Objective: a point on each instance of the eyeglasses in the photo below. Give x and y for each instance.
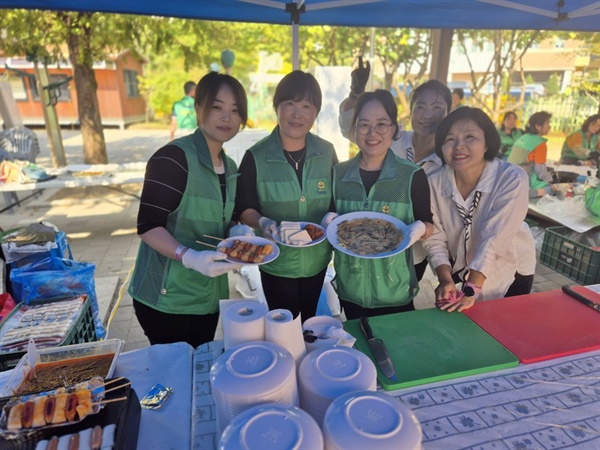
(381, 128)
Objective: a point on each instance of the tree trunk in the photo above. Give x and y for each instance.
(79, 42)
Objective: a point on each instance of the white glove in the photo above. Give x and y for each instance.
(268, 227)
(415, 231)
(328, 218)
(210, 264)
(241, 230)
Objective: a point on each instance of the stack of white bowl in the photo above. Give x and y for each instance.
(373, 420)
(272, 426)
(250, 374)
(328, 372)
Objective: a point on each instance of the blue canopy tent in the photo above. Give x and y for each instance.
(570, 15)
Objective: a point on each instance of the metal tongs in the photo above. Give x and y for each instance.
(31, 355)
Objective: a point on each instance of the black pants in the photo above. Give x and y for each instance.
(298, 295)
(354, 311)
(164, 328)
(420, 269)
(521, 286)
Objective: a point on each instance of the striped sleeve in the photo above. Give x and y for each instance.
(164, 184)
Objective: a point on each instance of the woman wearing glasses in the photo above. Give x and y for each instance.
(287, 176)
(378, 180)
(429, 104)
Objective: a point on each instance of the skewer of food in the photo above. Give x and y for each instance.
(91, 438)
(247, 252)
(63, 405)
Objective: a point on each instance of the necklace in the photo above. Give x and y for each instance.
(299, 159)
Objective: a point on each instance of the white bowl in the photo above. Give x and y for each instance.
(272, 426)
(373, 420)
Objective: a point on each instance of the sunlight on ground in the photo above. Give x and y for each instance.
(81, 235)
(124, 232)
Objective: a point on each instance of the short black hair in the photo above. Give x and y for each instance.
(432, 85)
(538, 118)
(387, 101)
(298, 86)
(460, 92)
(481, 119)
(189, 88)
(208, 89)
(590, 120)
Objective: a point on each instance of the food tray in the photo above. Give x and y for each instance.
(82, 330)
(124, 414)
(226, 243)
(63, 353)
(277, 237)
(573, 259)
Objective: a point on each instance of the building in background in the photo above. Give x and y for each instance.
(118, 94)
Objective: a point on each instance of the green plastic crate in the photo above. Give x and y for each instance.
(83, 330)
(573, 259)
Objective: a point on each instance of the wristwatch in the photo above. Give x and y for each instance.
(471, 290)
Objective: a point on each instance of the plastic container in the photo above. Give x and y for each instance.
(373, 420)
(573, 259)
(68, 352)
(272, 426)
(83, 330)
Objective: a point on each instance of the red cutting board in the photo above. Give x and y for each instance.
(541, 326)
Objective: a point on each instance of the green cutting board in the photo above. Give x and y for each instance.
(431, 345)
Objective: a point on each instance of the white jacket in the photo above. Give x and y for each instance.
(501, 244)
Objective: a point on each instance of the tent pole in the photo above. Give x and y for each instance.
(295, 47)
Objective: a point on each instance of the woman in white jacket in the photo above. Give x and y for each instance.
(478, 204)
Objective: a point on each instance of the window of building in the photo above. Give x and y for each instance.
(17, 85)
(62, 92)
(131, 83)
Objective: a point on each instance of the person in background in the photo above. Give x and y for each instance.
(583, 146)
(429, 104)
(288, 176)
(479, 204)
(509, 133)
(189, 191)
(378, 180)
(458, 95)
(530, 152)
(183, 113)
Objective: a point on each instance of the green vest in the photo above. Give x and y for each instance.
(281, 198)
(507, 140)
(186, 114)
(523, 147)
(164, 283)
(375, 283)
(590, 144)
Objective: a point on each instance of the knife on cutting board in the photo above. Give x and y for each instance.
(382, 357)
(577, 296)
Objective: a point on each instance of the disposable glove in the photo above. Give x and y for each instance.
(360, 76)
(328, 218)
(415, 231)
(268, 227)
(208, 263)
(241, 230)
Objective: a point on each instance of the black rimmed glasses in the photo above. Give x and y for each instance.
(381, 128)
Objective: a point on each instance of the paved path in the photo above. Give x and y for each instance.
(101, 227)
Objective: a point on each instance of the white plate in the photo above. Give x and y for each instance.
(333, 226)
(252, 240)
(277, 237)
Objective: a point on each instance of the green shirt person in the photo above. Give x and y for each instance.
(183, 114)
(509, 134)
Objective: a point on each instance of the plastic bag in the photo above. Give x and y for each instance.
(54, 278)
(592, 201)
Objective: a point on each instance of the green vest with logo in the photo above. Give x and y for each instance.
(281, 198)
(385, 282)
(165, 284)
(590, 144)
